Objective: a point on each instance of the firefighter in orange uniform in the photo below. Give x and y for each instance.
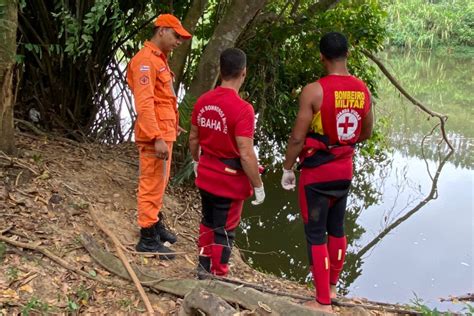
(156, 128)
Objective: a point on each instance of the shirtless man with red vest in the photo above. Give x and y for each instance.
(334, 114)
(221, 143)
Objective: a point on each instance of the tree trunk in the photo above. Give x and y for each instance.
(236, 18)
(8, 27)
(178, 60)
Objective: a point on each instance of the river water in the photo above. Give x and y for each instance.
(410, 215)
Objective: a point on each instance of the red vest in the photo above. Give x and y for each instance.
(327, 155)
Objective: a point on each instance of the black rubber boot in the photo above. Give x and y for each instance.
(203, 270)
(165, 235)
(150, 242)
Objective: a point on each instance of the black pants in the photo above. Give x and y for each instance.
(220, 217)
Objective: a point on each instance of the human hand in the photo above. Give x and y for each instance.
(161, 149)
(195, 167)
(181, 130)
(259, 195)
(288, 180)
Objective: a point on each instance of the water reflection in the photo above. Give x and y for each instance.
(276, 226)
(445, 85)
(387, 260)
(410, 147)
(272, 235)
(354, 257)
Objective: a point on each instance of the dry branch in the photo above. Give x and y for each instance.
(4, 230)
(18, 162)
(442, 117)
(58, 260)
(118, 247)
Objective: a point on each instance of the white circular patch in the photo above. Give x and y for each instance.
(347, 124)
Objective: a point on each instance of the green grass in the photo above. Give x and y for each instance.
(12, 273)
(35, 306)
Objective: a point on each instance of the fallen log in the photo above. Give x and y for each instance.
(248, 298)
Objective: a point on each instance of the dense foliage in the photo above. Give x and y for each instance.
(72, 55)
(430, 23)
(283, 57)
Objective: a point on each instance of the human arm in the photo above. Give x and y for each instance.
(249, 162)
(309, 103)
(248, 158)
(141, 77)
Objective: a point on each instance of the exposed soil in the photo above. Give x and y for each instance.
(45, 194)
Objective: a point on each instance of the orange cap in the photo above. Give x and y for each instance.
(169, 20)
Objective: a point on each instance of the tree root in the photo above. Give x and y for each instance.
(244, 294)
(248, 298)
(386, 307)
(31, 127)
(201, 300)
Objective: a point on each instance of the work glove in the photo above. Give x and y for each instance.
(259, 195)
(195, 167)
(288, 180)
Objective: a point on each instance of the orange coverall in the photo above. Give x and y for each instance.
(150, 79)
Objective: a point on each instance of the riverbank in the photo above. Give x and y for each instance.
(45, 202)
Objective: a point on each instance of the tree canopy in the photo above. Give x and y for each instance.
(73, 56)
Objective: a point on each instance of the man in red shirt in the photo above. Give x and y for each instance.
(151, 81)
(221, 143)
(334, 115)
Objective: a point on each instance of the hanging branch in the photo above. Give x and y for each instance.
(442, 117)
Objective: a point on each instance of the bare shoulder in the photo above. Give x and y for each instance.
(311, 95)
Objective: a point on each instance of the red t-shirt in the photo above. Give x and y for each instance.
(220, 116)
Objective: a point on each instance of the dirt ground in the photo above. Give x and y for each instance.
(45, 197)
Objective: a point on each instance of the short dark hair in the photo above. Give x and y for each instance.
(334, 45)
(232, 62)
